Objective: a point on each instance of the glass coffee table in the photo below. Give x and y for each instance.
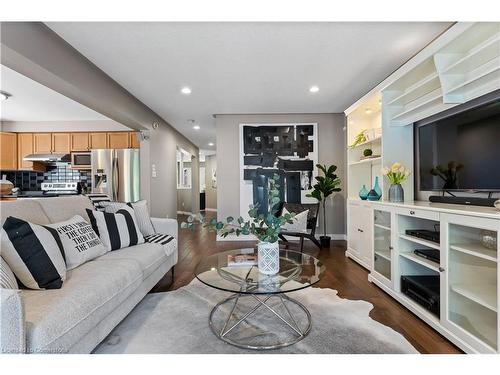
(259, 314)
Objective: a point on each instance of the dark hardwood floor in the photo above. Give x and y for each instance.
(342, 274)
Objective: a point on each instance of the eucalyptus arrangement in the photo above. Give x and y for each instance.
(326, 185)
(397, 174)
(265, 226)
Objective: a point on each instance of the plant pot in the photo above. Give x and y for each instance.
(324, 242)
(268, 255)
(396, 193)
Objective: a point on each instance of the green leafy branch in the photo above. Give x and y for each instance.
(265, 226)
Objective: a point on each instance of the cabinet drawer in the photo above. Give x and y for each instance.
(423, 214)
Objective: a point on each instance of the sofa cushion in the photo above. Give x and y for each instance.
(116, 231)
(79, 241)
(7, 278)
(34, 253)
(63, 208)
(26, 209)
(147, 256)
(57, 319)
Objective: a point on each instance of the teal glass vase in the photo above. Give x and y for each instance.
(376, 193)
(363, 193)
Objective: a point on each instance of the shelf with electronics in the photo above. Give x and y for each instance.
(460, 65)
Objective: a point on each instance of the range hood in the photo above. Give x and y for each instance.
(48, 158)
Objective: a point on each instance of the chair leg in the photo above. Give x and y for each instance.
(173, 273)
(316, 242)
(301, 244)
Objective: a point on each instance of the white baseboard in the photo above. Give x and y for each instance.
(184, 213)
(250, 237)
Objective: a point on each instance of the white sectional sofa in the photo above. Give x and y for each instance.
(95, 297)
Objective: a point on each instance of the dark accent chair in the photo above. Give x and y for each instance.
(312, 220)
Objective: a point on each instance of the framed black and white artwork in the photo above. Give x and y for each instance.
(289, 150)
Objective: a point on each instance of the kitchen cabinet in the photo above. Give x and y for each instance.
(42, 143)
(25, 146)
(80, 141)
(98, 140)
(61, 143)
(119, 140)
(134, 140)
(8, 151)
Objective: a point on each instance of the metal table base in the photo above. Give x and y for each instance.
(289, 321)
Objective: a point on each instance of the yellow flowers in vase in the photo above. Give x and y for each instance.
(397, 174)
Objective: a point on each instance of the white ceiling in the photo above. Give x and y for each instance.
(246, 67)
(31, 101)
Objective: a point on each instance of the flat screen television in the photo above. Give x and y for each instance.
(460, 152)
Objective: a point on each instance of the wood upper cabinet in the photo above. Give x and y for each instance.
(134, 140)
(98, 140)
(8, 151)
(119, 140)
(61, 143)
(25, 146)
(42, 143)
(80, 141)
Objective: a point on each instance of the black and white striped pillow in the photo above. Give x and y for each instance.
(7, 278)
(98, 199)
(161, 239)
(141, 212)
(34, 253)
(116, 230)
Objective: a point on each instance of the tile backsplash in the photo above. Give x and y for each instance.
(26, 180)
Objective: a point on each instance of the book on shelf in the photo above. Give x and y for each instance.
(238, 260)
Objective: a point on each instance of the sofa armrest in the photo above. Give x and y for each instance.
(12, 325)
(165, 226)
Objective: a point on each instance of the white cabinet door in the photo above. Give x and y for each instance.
(365, 235)
(352, 230)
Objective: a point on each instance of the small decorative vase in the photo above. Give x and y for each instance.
(489, 239)
(396, 193)
(268, 257)
(363, 193)
(377, 188)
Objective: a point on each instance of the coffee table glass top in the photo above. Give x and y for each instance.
(297, 271)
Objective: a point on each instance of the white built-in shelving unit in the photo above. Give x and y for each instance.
(460, 65)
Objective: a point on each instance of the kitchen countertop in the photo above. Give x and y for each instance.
(35, 194)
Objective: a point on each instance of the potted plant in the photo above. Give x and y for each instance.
(326, 185)
(265, 226)
(397, 174)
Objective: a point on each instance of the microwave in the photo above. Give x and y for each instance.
(81, 160)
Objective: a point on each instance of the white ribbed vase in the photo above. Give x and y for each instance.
(268, 257)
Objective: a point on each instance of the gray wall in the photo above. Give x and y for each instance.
(32, 49)
(210, 192)
(332, 146)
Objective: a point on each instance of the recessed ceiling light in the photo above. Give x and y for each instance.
(314, 89)
(196, 127)
(368, 111)
(211, 144)
(4, 95)
(186, 90)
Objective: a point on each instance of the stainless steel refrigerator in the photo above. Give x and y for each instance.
(117, 174)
